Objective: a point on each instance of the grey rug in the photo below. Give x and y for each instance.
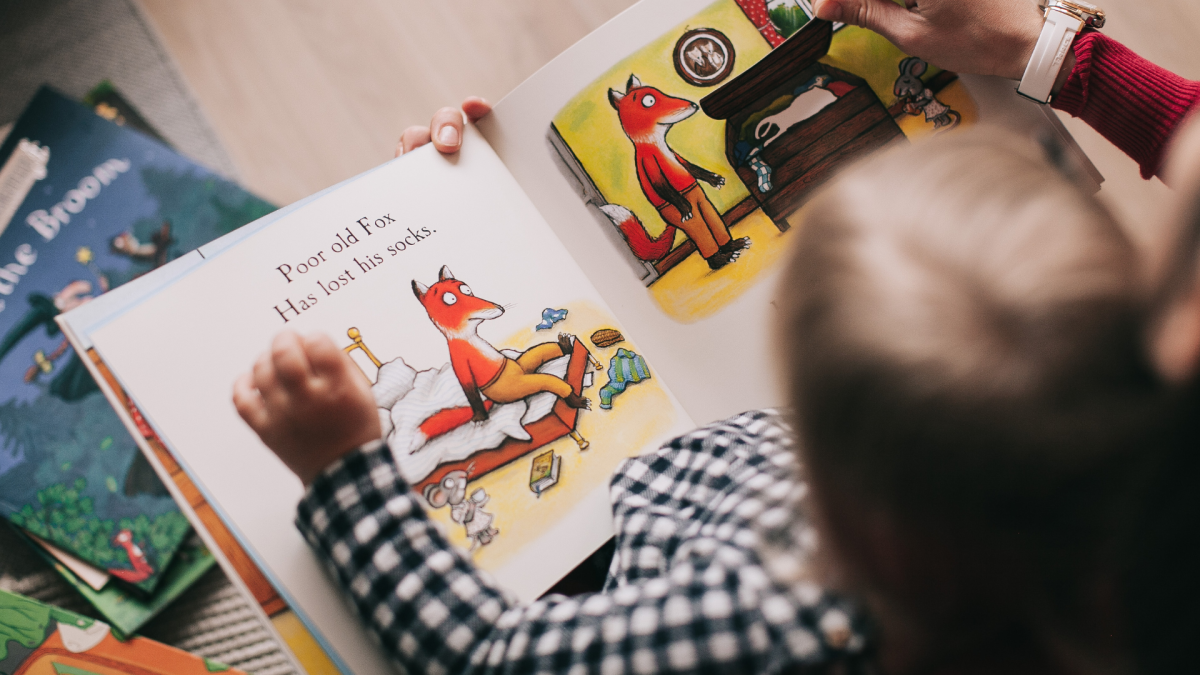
(72, 45)
(212, 619)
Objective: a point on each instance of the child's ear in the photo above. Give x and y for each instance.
(445, 273)
(614, 97)
(419, 289)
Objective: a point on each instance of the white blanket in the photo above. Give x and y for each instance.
(407, 397)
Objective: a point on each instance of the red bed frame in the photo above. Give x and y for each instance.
(560, 422)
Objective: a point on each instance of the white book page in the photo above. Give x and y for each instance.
(709, 329)
(329, 267)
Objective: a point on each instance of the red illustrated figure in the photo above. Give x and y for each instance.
(667, 179)
(480, 368)
(141, 568)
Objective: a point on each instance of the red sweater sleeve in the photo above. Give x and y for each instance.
(1133, 103)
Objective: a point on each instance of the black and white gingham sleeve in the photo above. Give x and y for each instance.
(711, 609)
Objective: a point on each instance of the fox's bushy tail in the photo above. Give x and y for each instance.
(448, 419)
(645, 247)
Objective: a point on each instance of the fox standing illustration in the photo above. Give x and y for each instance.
(481, 369)
(668, 180)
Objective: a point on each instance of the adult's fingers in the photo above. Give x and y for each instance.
(896, 23)
(476, 107)
(446, 129)
(411, 139)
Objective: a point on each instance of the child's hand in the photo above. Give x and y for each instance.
(308, 402)
(445, 130)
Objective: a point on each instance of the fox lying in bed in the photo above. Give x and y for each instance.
(481, 369)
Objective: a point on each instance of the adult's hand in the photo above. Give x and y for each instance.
(984, 37)
(445, 130)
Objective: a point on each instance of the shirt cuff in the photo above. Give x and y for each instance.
(336, 498)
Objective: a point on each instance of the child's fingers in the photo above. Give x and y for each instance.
(323, 356)
(290, 362)
(476, 107)
(411, 139)
(249, 402)
(264, 380)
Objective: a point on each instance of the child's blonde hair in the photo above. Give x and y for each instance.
(960, 325)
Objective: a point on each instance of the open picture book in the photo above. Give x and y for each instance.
(591, 275)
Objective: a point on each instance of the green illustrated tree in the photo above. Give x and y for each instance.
(66, 516)
(198, 209)
(67, 467)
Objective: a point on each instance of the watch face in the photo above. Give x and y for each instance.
(1087, 7)
(1090, 14)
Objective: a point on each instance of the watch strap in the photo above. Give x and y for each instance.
(1053, 45)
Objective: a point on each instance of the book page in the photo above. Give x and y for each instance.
(533, 476)
(673, 149)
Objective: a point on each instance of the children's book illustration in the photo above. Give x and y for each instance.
(543, 474)
(108, 205)
(37, 639)
(458, 428)
(919, 99)
(699, 150)
(551, 316)
(482, 370)
(465, 510)
(487, 406)
(128, 612)
(625, 369)
(670, 182)
(607, 337)
(704, 57)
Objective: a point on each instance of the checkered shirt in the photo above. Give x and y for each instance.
(709, 574)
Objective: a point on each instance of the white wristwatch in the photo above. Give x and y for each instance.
(1064, 20)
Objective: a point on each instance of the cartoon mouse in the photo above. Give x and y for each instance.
(917, 98)
(464, 510)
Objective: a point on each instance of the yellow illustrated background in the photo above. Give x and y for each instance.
(589, 125)
(638, 416)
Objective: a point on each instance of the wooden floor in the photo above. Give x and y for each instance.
(305, 93)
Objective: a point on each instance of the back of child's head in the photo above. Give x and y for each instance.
(1161, 586)
(961, 328)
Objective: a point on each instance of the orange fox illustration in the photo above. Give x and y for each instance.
(668, 180)
(480, 368)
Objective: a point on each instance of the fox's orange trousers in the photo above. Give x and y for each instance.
(519, 378)
(705, 228)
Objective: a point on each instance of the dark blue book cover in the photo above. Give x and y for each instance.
(89, 205)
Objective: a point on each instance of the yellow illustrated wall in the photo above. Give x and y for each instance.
(590, 126)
